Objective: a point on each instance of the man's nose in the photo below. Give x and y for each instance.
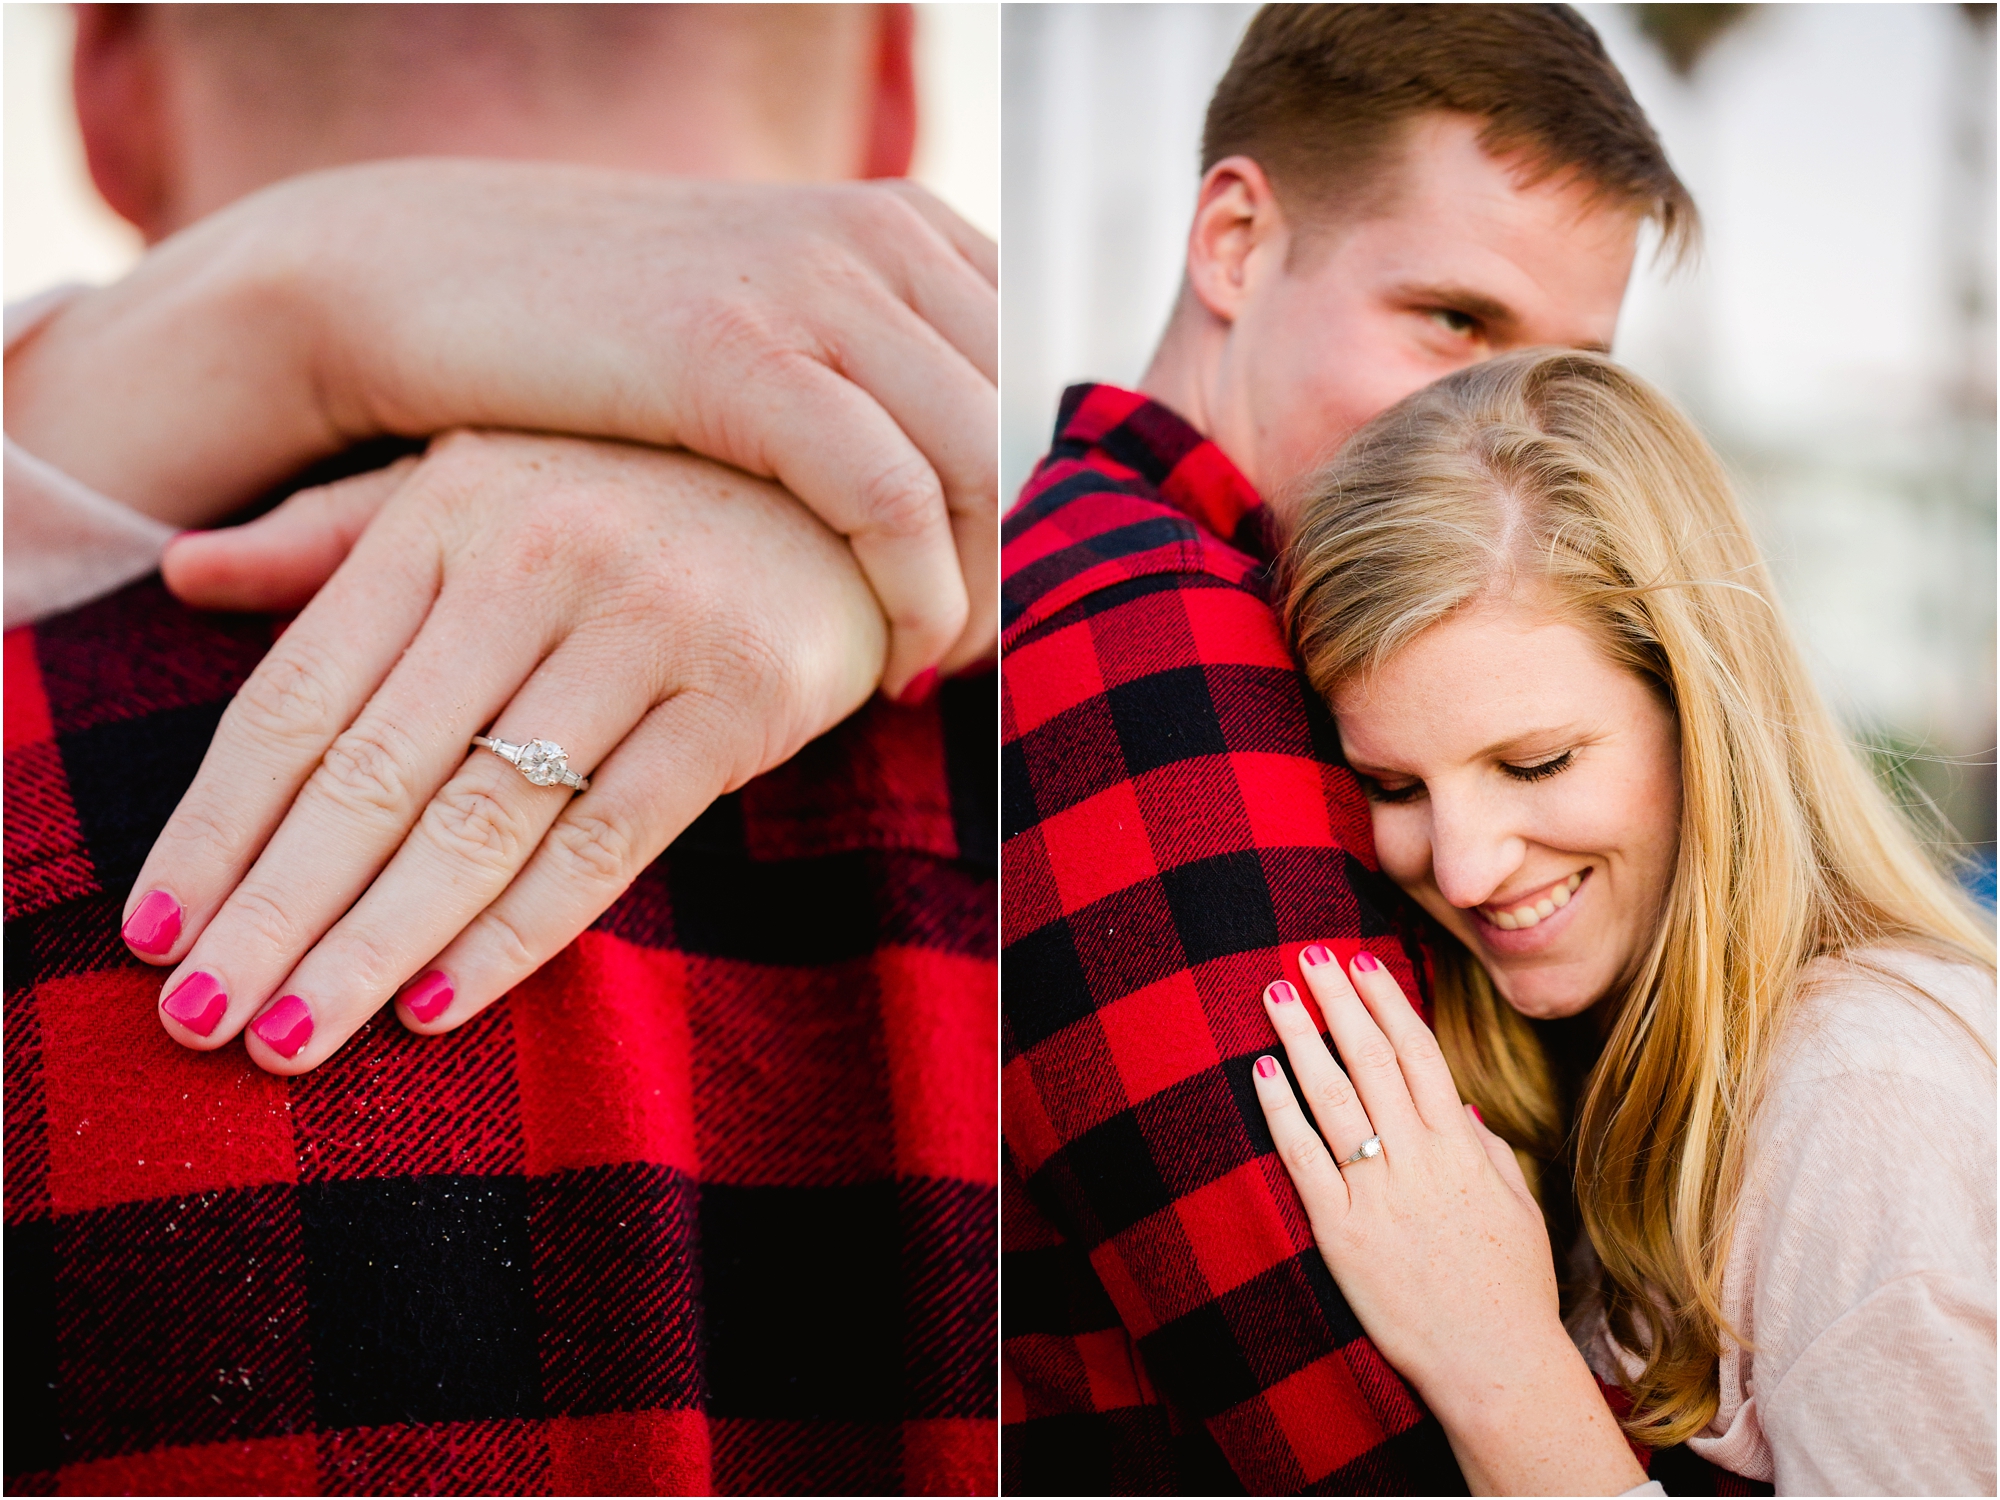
(1474, 847)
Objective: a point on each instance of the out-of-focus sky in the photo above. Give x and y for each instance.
(58, 230)
(1835, 340)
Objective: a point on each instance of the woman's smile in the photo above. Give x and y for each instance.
(1525, 790)
(1526, 923)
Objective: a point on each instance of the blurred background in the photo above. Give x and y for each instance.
(57, 229)
(1835, 340)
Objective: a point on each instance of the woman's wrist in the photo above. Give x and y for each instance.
(1532, 1422)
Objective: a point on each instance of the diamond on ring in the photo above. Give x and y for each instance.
(1368, 1149)
(543, 762)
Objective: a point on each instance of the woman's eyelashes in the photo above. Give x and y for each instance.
(1541, 770)
(1376, 789)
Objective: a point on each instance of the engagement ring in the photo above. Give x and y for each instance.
(1370, 1147)
(541, 761)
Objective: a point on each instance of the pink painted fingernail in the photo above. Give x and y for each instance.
(1267, 1067)
(1366, 962)
(917, 692)
(1476, 1114)
(197, 1003)
(1282, 993)
(428, 996)
(1316, 954)
(153, 927)
(285, 1027)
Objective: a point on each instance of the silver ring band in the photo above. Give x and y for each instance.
(541, 761)
(1370, 1148)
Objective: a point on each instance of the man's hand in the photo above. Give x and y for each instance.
(840, 339)
(676, 626)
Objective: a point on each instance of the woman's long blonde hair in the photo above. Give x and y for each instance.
(1565, 472)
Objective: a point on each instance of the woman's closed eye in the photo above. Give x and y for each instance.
(1388, 791)
(1541, 770)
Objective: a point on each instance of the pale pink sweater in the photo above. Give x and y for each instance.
(1861, 1274)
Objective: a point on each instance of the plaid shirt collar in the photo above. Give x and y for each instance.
(1161, 449)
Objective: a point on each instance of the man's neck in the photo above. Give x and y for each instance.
(1181, 377)
(1182, 366)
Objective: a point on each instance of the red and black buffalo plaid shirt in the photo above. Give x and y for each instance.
(1176, 825)
(707, 1205)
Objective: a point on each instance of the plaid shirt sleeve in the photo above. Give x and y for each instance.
(1175, 827)
(708, 1205)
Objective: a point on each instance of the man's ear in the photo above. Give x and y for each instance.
(892, 117)
(119, 83)
(1238, 231)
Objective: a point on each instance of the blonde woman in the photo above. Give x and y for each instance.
(1694, 969)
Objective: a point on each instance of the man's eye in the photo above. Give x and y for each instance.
(1374, 791)
(1454, 321)
(1542, 770)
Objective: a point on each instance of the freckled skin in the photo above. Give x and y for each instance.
(1506, 685)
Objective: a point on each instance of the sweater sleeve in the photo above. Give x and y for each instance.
(1862, 1276)
(1895, 1396)
(66, 544)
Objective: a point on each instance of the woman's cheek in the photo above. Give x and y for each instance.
(1402, 844)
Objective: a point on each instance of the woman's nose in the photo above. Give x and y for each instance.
(1473, 848)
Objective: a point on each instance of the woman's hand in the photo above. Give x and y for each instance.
(840, 339)
(1435, 1239)
(675, 626)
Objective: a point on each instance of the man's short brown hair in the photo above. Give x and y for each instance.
(1320, 97)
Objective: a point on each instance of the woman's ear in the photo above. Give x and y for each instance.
(119, 83)
(1238, 230)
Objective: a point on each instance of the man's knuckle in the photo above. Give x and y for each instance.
(737, 330)
(888, 215)
(901, 499)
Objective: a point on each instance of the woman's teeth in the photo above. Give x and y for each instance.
(1530, 912)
